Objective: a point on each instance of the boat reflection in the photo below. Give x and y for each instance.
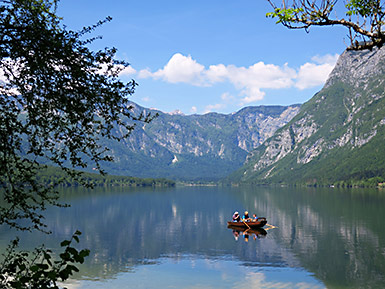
(246, 233)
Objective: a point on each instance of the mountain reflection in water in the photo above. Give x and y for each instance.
(327, 237)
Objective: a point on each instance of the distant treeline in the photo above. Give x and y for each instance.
(366, 183)
(55, 176)
(374, 182)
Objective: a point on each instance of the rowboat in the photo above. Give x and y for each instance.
(259, 223)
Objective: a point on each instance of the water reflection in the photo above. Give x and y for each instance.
(333, 237)
(247, 233)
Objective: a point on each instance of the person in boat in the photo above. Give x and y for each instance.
(246, 217)
(255, 218)
(236, 217)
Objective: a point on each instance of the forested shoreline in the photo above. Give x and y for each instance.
(53, 176)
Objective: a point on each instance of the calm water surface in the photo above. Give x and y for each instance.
(178, 237)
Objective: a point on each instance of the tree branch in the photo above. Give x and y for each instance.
(306, 13)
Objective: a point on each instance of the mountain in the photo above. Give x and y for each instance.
(338, 135)
(194, 147)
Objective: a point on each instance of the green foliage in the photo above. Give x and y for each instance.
(52, 176)
(38, 269)
(341, 167)
(284, 15)
(365, 31)
(364, 183)
(57, 101)
(364, 8)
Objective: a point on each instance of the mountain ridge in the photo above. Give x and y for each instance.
(194, 147)
(338, 134)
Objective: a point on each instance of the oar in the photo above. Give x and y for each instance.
(246, 224)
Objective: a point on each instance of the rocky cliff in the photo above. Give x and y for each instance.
(338, 135)
(195, 147)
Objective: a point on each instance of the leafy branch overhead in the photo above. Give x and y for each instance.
(363, 18)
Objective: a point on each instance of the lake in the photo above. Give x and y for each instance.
(178, 237)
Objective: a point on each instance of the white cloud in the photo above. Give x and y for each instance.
(145, 73)
(252, 94)
(213, 107)
(108, 69)
(259, 76)
(249, 81)
(129, 70)
(314, 74)
(328, 58)
(217, 73)
(311, 75)
(226, 98)
(193, 110)
(179, 68)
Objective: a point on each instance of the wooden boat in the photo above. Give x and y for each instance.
(259, 223)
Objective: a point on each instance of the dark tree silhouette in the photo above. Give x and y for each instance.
(57, 99)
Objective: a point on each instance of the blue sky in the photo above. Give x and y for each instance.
(201, 56)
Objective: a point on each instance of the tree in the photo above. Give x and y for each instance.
(364, 18)
(57, 99)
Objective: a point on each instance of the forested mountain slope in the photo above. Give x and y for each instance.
(195, 147)
(338, 135)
